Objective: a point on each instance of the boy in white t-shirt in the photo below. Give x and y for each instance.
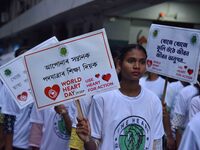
(130, 117)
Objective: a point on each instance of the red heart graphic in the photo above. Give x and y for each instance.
(185, 67)
(190, 71)
(23, 96)
(106, 77)
(53, 92)
(97, 75)
(149, 63)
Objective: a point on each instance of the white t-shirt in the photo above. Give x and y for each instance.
(156, 86)
(121, 121)
(172, 91)
(183, 100)
(194, 106)
(191, 136)
(55, 136)
(22, 123)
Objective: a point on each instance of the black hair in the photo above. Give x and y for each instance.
(130, 47)
(20, 51)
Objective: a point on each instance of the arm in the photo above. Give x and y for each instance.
(60, 109)
(84, 132)
(9, 121)
(1, 131)
(178, 122)
(167, 128)
(35, 136)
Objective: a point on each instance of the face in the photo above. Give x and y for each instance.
(133, 66)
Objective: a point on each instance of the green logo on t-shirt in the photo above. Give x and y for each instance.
(133, 138)
(60, 128)
(132, 133)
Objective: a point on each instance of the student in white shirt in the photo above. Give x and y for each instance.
(153, 82)
(129, 117)
(181, 110)
(194, 106)
(51, 127)
(16, 121)
(191, 136)
(56, 124)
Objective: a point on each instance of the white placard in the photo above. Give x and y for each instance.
(74, 68)
(14, 76)
(174, 52)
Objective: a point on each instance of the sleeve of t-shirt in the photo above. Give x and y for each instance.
(194, 106)
(96, 117)
(158, 126)
(36, 115)
(9, 105)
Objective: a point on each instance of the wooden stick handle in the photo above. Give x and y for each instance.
(78, 106)
(164, 90)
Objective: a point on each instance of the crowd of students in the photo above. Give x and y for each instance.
(132, 117)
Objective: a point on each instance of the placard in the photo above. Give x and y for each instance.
(14, 76)
(174, 52)
(74, 68)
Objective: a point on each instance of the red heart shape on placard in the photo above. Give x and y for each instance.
(185, 67)
(23, 96)
(97, 75)
(106, 77)
(149, 63)
(53, 92)
(190, 71)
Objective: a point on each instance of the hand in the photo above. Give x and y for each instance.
(60, 109)
(171, 143)
(83, 130)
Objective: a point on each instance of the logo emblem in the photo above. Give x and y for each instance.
(63, 51)
(132, 133)
(23, 96)
(53, 92)
(60, 128)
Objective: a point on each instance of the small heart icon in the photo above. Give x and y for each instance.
(53, 92)
(149, 63)
(190, 71)
(106, 77)
(185, 67)
(97, 75)
(23, 96)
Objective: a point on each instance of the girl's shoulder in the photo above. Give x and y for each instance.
(110, 93)
(151, 96)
